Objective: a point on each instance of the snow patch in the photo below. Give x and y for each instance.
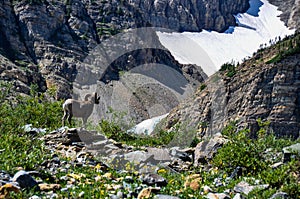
(210, 49)
(146, 127)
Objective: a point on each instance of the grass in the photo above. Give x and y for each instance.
(19, 149)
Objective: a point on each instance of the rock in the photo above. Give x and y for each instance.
(72, 135)
(4, 177)
(184, 156)
(159, 155)
(288, 151)
(49, 187)
(247, 96)
(238, 196)
(154, 179)
(206, 189)
(32, 130)
(54, 196)
(289, 12)
(205, 150)
(177, 15)
(35, 197)
(7, 188)
(161, 196)
(276, 165)
(193, 181)
(280, 195)
(145, 193)
(237, 172)
(25, 180)
(246, 188)
(217, 196)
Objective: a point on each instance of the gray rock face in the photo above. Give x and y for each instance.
(258, 90)
(290, 12)
(190, 15)
(42, 31)
(46, 43)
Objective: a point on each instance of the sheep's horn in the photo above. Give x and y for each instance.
(87, 96)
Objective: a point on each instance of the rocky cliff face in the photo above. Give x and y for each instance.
(266, 87)
(54, 37)
(46, 42)
(290, 12)
(191, 15)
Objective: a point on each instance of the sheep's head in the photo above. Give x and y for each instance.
(97, 99)
(92, 97)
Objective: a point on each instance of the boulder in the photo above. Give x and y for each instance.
(206, 149)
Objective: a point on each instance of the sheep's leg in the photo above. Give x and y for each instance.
(64, 118)
(84, 121)
(70, 118)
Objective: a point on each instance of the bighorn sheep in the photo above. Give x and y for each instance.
(79, 108)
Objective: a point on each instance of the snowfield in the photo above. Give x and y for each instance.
(210, 49)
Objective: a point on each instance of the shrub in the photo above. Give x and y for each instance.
(229, 68)
(19, 148)
(245, 152)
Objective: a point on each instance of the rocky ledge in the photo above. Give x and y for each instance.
(264, 87)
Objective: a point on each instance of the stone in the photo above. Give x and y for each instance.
(217, 196)
(288, 151)
(145, 193)
(205, 150)
(49, 187)
(154, 179)
(7, 188)
(238, 196)
(193, 181)
(184, 156)
(25, 180)
(206, 189)
(246, 188)
(35, 197)
(280, 195)
(161, 196)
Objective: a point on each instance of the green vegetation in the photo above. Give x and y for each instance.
(250, 155)
(202, 86)
(287, 47)
(115, 132)
(229, 68)
(19, 149)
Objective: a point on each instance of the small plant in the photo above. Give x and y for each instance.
(203, 86)
(229, 68)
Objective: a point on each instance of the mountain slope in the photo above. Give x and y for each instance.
(266, 86)
(56, 36)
